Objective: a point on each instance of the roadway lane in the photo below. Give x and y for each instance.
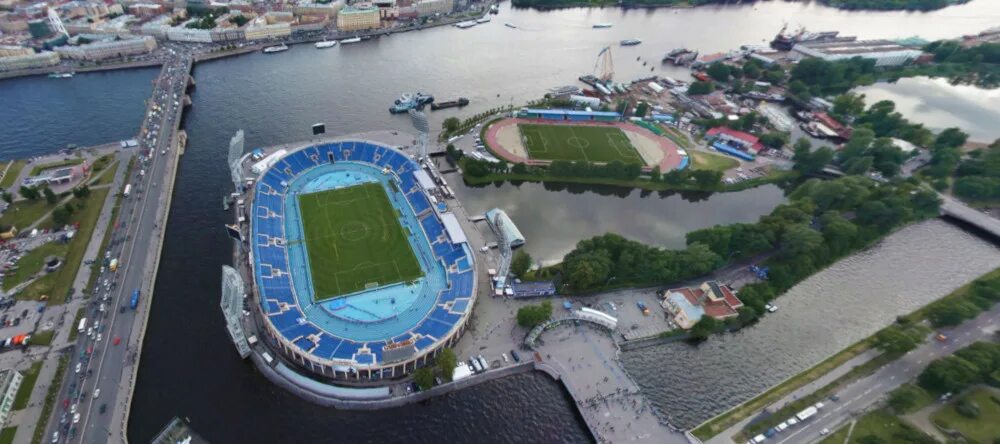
(858, 397)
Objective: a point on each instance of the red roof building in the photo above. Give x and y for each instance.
(837, 127)
(688, 305)
(749, 141)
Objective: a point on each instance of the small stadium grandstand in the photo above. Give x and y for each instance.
(356, 274)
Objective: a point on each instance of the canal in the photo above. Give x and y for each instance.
(189, 367)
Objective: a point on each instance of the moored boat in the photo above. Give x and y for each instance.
(350, 40)
(326, 44)
(630, 42)
(602, 25)
(274, 49)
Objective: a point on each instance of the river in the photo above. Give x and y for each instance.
(190, 369)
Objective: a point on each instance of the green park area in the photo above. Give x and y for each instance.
(578, 142)
(976, 415)
(13, 169)
(7, 435)
(701, 160)
(23, 213)
(32, 263)
(62, 163)
(355, 241)
(27, 385)
(880, 426)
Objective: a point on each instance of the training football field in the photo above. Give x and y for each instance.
(355, 241)
(578, 142)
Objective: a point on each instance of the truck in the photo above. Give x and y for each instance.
(114, 264)
(128, 187)
(83, 325)
(135, 299)
(806, 414)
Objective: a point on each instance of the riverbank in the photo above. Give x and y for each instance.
(850, 5)
(726, 424)
(80, 69)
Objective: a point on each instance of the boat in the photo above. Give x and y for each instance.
(785, 40)
(484, 20)
(62, 75)
(466, 25)
(462, 101)
(630, 42)
(326, 44)
(510, 25)
(589, 79)
(407, 102)
(274, 49)
(350, 40)
(602, 25)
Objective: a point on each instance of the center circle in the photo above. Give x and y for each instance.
(354, 231)
(577, 142)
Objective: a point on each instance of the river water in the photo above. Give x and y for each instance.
(189, 367)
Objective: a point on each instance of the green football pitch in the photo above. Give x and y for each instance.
(354, 241)
(578, 142)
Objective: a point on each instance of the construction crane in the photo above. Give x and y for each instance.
(604, 68)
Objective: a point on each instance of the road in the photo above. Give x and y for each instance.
(108, 368)
(864, 393)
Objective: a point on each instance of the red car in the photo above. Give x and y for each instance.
(117, 340)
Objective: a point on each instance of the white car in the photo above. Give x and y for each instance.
(97, 393)
(55, 436)
(72, 409)
(824, 432)
(99, 337)
(76, 418)
(79, 365)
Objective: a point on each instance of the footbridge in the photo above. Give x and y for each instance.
(957, 210)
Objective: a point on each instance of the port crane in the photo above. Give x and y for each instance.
(604, 67)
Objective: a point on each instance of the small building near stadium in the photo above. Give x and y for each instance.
(569, 114)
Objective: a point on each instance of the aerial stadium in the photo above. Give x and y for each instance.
(357, 275)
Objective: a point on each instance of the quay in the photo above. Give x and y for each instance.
(954, 209)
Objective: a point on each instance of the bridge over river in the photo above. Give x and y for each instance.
(955, 209)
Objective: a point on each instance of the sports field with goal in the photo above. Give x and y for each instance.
(578, 142)
(355, 241)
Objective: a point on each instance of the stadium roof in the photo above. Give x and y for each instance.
(573, 112)
(424, 180)
(454, 230)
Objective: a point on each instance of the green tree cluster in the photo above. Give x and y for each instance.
(446, 362)
(978, 177)
(520, 264)
(968, 366)
(699, 88)
(864, 152)
(817, 77)
(953, 311)
(532, 315)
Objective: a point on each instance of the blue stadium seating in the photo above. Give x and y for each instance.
(347, 350)
(423, 343)
(364, 359)
(304, 343)
(419, 202)
(327, 345)
(460, 306)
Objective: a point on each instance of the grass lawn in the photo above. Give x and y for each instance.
(57, 285)
(76, 321)
(577, 142)
(12, 172)
(7, 435)
(61, 163)
(985, 428)
(25, 212)
(879, 423)
(27, 385)
(701, 160)
(355, 241)
(32, 263)
(43, 337)
(102, 162)
(106, 176)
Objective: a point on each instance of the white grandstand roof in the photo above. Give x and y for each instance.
(425, 180)
(454, 230)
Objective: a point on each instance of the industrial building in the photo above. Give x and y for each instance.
(358, 18)
(884, 52)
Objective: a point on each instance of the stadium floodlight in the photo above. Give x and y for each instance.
(235, 153)
(319, 128)
(419, 120)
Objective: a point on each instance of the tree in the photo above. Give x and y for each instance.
(60, 216)
(700, 88)
(532, 315)
(718, 71)
(893, 339)
(424, 377)
(707, 178)
(949, 374)
(947, 313)
(655, 174)
(751, 70)
(641, 109)
(7, 197)
(774, 139)
(451, 124)
(520, 168)
(849, 105)
(810, 162)
(905, 397)
(50, 197)
(799, 239)
(30, 193)
(706, 326)
(587, 270)
(446, 363)
(520, 264)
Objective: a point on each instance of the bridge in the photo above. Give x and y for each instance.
(957, 210)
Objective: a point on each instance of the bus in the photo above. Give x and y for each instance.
(128, 187)
(135, 299)
(83, 325)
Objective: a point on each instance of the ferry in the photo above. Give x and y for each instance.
(466, 25)
(462, 101)
(510, 25)
(326, 44)
(407, 102)
(62, 75)
(602, 25)
(483, 20)
(274, 49)
(630, 42)
(350, 40)
(785, 40)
